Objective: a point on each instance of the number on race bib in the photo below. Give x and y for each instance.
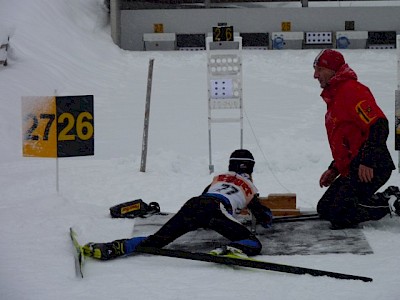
(227, 189)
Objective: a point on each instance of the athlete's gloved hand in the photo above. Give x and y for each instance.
(262, 213)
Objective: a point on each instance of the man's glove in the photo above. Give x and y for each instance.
(262, 213)
(328, 177)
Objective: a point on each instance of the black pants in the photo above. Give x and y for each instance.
(204, 212)
(348, 201)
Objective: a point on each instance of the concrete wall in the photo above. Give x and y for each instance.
(134, 23)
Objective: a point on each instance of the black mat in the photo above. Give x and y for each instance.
(313, 237)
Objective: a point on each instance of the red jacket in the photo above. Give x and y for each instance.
(351, 110)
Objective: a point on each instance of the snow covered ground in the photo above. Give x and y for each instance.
(64, 48)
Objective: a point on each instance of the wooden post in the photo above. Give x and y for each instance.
(147, 117)
(280, 204)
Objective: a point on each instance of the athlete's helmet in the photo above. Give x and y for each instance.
(241, 161)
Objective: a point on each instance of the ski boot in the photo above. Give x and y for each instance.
(229, 251)
(392, 193)
(105, 251)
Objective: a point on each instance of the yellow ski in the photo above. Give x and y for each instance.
(79, 257)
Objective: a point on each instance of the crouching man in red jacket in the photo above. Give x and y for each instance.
(357, 131)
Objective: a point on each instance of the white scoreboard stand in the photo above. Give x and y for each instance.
(224, 77)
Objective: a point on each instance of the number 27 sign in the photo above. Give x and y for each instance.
(58, 126)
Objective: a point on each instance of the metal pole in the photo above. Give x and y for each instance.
(210, 166)
(57, 162)
(241, 120)
(57, 177)
(397, 102)
(397, 126)
(253, 224)
(147, 117)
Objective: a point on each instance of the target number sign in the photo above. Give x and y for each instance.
(224, 33)
(58, 126)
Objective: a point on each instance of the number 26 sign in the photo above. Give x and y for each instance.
(58, 126)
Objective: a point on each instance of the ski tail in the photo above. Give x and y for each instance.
(250, 263)
(79, 256)
(297, 218)
(309, 216)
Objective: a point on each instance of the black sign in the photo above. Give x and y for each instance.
(75, 126)
(223, 34)
(381, 37)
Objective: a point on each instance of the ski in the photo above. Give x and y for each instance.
(302, 217)
(247, 262)
(287, 219)
(79, 256)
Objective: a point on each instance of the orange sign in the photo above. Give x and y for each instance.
(40, 138)
(57, 126)
(159, 28)
(286, 26)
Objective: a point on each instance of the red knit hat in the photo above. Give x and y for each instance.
(330, 59)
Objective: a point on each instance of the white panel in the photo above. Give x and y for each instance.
(224, 64)
(384, 46)
(354, 35)
(222, 88)
(288, 35)
(159, 37)
(316, 38)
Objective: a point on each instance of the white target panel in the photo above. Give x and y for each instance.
(224, 82)
(224, 73)
(222, 88)
(224, 65)
(225, 93)
(316, 38)
(225, 88)
(388, 46)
